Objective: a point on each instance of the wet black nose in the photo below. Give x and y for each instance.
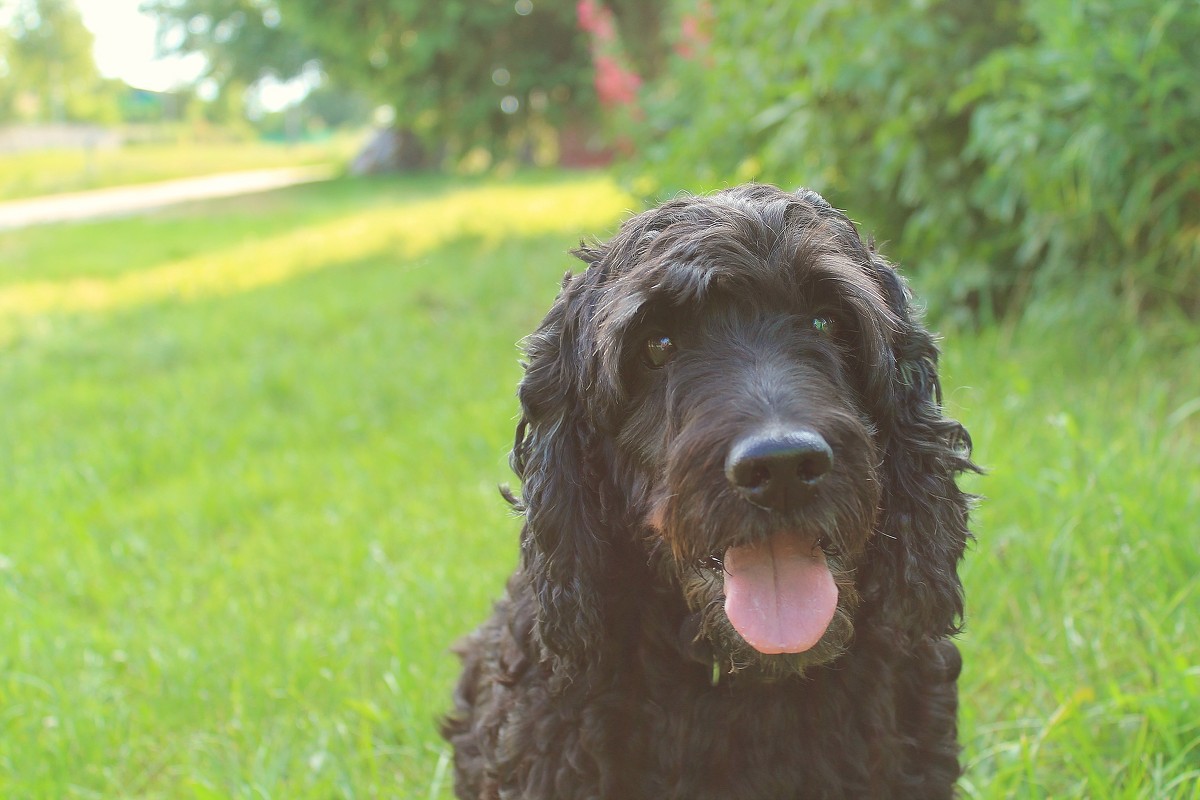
(776, 469)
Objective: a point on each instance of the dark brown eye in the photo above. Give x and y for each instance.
(659, 350)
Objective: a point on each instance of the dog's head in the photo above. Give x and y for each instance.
(735, 404)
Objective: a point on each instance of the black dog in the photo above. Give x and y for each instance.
(742, 527)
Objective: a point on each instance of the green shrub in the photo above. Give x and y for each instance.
(996, 146)
(1091, 139)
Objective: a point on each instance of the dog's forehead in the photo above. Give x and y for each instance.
(681, 257)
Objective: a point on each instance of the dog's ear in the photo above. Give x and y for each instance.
(565, 543)
(911, 580)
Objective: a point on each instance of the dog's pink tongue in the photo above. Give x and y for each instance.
(779, 594)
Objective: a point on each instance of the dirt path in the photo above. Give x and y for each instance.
(125, 200)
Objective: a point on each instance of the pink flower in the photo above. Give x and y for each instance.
(692, 34)
(615, 85)
(596, 19)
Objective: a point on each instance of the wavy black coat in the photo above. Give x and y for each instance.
(608, 669)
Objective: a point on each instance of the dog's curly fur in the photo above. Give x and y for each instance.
(610, 668)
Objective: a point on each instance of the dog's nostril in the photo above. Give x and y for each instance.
(813, 466)
(775, 469)
(755, 477)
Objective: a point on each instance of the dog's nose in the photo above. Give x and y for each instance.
(776, 469)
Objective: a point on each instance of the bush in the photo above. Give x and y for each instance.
(1001, 146)
(1091, 143)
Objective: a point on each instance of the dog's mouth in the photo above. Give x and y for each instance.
(780, 594)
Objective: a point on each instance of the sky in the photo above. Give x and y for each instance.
(125, 46)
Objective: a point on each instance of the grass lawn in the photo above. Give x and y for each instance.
(43, 172)
(250, 451)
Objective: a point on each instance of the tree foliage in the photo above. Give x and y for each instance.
(241, 40)
(1006, 144)
(458, 73)
(48, 60)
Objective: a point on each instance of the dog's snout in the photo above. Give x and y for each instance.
(777, 469)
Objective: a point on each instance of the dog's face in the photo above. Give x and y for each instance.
(742, 422)
(723, 378)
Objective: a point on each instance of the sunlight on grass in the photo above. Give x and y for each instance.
(43, 172)
(408, 231)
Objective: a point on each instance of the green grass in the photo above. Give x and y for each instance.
(31, 174)
(1083, 668)
(250, 456)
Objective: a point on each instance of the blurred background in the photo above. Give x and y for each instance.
(263, 269)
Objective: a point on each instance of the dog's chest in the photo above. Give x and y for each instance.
(705, 742)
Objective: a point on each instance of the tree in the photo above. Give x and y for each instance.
(50, 57)
(642, 28)
(242, 40)
(8, 86)
(459, 74)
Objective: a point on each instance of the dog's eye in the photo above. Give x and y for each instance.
(823, 324)
(659, 350)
